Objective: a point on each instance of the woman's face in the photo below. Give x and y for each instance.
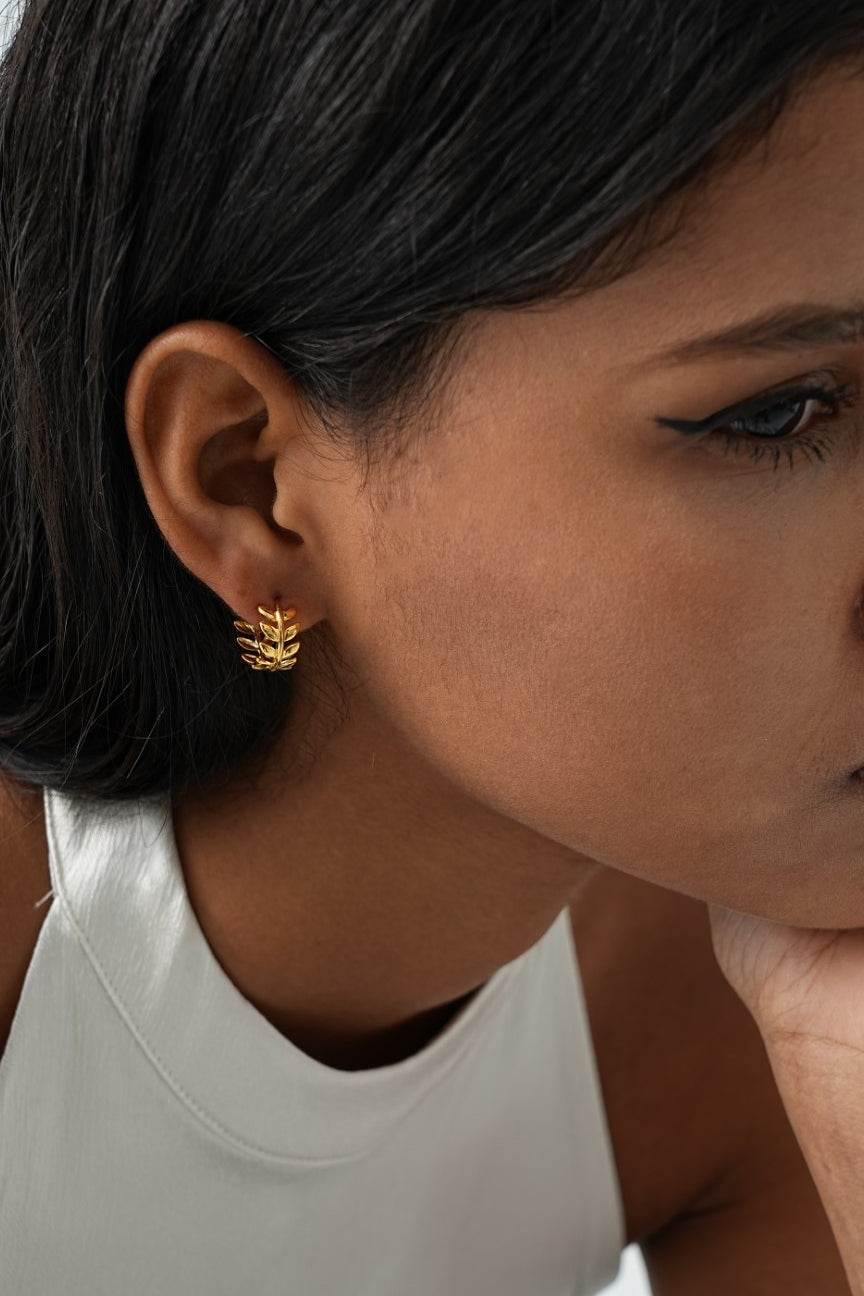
(644, 644)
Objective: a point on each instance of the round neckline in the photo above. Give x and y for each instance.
(117, 871)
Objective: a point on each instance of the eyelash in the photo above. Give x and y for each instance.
(803, 443)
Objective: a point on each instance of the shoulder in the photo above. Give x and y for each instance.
(690, 1099)
(24, 880)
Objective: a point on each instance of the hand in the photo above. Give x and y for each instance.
(805, 990)
(799, 984)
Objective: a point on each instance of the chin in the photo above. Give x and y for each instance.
(841, 910)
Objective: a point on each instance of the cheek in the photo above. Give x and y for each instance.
(527, 653)
(600, 676)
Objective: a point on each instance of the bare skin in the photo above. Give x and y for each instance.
(713, 1184)
(580, 646)
(577, 638)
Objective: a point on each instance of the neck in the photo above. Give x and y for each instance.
(361, 905)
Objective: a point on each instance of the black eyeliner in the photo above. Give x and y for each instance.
(755, 405)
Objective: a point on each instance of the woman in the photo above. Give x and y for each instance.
(433, 541)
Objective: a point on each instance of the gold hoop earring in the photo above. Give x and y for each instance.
(270, 648)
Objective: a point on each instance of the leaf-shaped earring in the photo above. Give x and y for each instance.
(270, 648)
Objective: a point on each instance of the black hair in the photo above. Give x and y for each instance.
(345, 181)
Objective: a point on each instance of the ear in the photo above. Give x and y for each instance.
(214, 422)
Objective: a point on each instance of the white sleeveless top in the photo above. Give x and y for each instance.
(159, 1137)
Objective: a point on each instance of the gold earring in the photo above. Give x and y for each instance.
(271, 649)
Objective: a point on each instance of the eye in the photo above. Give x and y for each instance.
(780, 427)
(784, 419)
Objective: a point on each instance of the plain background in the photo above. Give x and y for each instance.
(632, 1279)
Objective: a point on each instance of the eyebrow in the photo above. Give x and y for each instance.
(792, 328)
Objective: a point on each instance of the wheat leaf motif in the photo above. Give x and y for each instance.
(270, 647)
